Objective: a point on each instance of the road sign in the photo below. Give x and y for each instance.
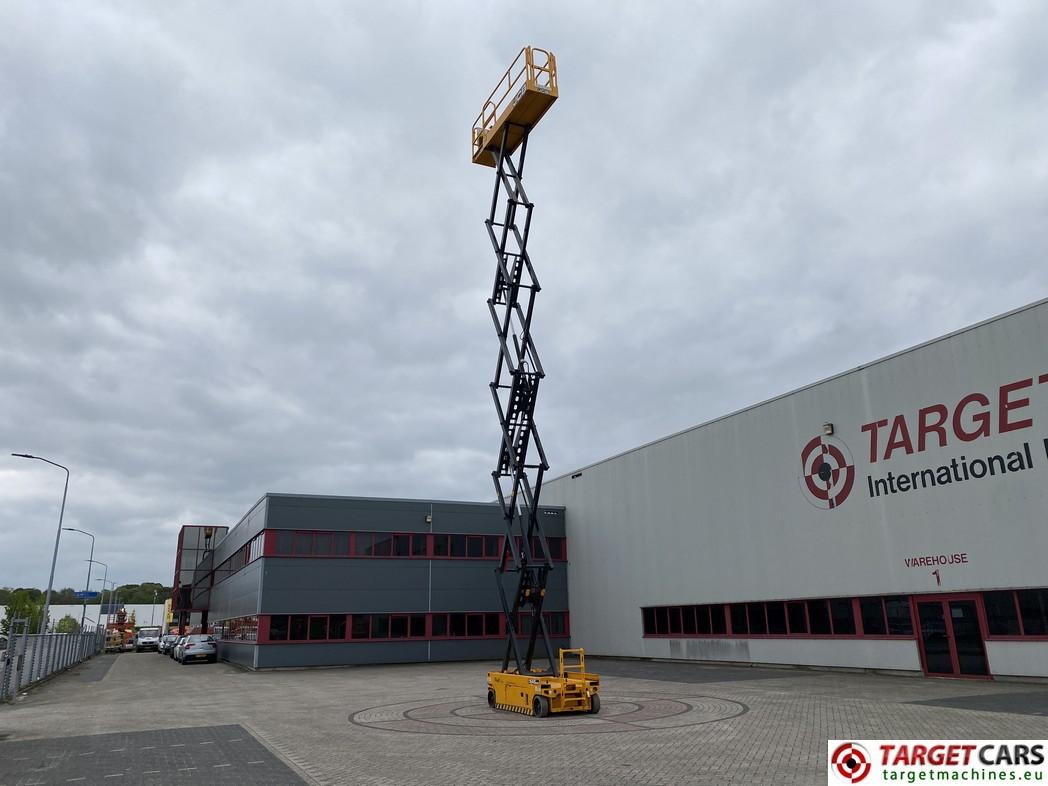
(85, 595)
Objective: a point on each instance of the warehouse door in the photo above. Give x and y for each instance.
(950, 636)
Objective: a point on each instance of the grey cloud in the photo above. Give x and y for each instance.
(243, 245)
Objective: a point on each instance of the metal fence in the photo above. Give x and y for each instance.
(30, 658)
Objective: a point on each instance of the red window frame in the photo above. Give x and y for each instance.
(1022, 635)
(669, 619)
(410, 545)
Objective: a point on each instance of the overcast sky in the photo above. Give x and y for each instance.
(242, 245)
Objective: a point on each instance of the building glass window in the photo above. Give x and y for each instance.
(718, 622)
(360, 626)
(776, 617)
(688, 613)
(418, 626)
(383, 544)
(1002, 618)
(303, 543)
(322, 544)
(819, 617)
(458, 545)
(318, 628)
(284, 541)
(758, 619)
(337, 627)
(439, 624)
(843, 615)
(380, 626)
(278, 628)
(491, 624)
(702, 620)
(363, 545)
(662, 620)
(739, 624)
(797, 618)
(441, 546)
(299, 629)
(474, 624)
(418, 544)
(475, 546)
(1032, 605)
(341, 543)
(897, 610)
(457, 624)
(675, 620)
(398, 627)
(648, 620)
(491, 546)
(872, 612)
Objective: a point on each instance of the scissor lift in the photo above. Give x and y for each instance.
(500, 140)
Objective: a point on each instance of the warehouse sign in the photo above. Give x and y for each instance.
(828, 472)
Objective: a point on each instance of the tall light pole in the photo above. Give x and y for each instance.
(105, 583)
(105, 575)
(90, 561)
(58, 535)
(152, 615)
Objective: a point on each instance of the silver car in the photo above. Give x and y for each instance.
(201, 646)
(175, 650)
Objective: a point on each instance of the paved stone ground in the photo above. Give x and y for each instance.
(428, 724)
(220, 755)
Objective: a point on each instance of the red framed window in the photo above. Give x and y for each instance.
(303, 544)
(1016, 614)
(869, 617)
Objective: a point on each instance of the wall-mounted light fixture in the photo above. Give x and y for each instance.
(429, 518)
(827, 429)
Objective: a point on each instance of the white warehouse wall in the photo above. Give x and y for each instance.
(719, 513)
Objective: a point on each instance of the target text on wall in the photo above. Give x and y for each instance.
(973, 417)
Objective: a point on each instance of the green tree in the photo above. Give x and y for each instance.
(63, 597)
(67, 624)
(23, 605)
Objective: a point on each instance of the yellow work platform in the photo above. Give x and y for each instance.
(521, 98)
(572, 689)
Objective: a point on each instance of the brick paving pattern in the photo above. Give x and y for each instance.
(426, 724)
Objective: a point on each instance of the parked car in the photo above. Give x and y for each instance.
(166, 643)
(177, 647)
(201, 646)
(147, 639)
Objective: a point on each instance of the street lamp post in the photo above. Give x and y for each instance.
(90, 561)
(102, 597)
(152, 615)
(58, 535)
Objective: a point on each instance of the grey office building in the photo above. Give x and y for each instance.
(324, 581)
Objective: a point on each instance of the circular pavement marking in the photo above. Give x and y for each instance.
(618, 713)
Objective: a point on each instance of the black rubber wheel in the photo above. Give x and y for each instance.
(594, 704)
(491, 697)
(540, 707)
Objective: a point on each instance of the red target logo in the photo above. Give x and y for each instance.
(850, 762)
(827, 472)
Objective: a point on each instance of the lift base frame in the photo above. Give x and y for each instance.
(541, 694)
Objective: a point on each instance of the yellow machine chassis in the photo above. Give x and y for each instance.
(572, 689)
